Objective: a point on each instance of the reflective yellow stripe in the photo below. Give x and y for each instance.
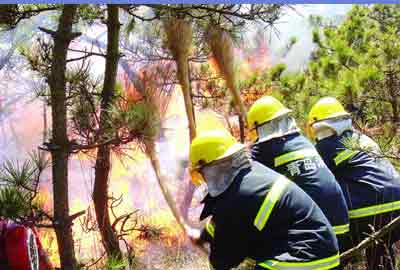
(344, 155)
(374, 210)
(341, 229)
(210, 228)
(299, 154)
(271, 199)
(322, 264)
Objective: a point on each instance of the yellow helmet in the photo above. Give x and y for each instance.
(326, 108)
(210, 146)
(265, 109)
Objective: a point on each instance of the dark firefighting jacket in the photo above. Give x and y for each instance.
(266, 217)
(371, 185)
(295, 157)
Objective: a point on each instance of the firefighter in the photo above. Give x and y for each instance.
(281, 147)
(370, 183)
(257, 213)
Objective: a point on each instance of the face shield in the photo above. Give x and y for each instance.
(325, 128)
(220, 174)
(277, 127)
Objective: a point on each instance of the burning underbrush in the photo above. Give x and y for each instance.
(165, 248)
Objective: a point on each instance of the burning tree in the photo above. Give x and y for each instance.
(56, 78)
(195, 20)
(88, 116)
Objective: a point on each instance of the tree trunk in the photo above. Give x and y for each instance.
(395, 110)
(60, 151)
(392, 86)
(103, 160)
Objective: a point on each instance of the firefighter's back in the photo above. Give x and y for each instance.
(270, 219)
(295, 157)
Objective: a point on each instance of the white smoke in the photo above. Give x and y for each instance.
(296, 24)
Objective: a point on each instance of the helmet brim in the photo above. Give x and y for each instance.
(277, 115)
(232, 150)
(228, 153)
(332, 116)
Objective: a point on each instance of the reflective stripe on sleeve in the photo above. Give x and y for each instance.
(322, 264)
(210, 228)
(270, 200)
(344, 155)
(341, 229)
(374, 210)
(299, 154)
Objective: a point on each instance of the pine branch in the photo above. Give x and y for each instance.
(370, 241)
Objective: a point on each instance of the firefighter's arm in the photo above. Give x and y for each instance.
(230, 244)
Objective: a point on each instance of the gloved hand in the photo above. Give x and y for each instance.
(194, 235)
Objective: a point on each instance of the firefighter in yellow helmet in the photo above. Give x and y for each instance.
(370, 184)
(257, 213)
(281, 147)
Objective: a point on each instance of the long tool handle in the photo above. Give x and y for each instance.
(162, 183)
(164, 189)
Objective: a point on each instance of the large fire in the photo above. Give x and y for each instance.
(250, 61)
(132, 181)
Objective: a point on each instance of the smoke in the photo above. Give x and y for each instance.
(296, 24)
(21, 118)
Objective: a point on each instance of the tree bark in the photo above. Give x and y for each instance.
(393, 100)
(60, 153)
(103, 160)
(395, 109)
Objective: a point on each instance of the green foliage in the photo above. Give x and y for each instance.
(11, 15)
(277, 71)
(19, 186)
(13, 203)
(90, 13)
(356, 61)
(114, 263)
(138, 119)
(359, 62)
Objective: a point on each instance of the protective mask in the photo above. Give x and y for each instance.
(277, 127)
(220, 175)
(329, 127)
